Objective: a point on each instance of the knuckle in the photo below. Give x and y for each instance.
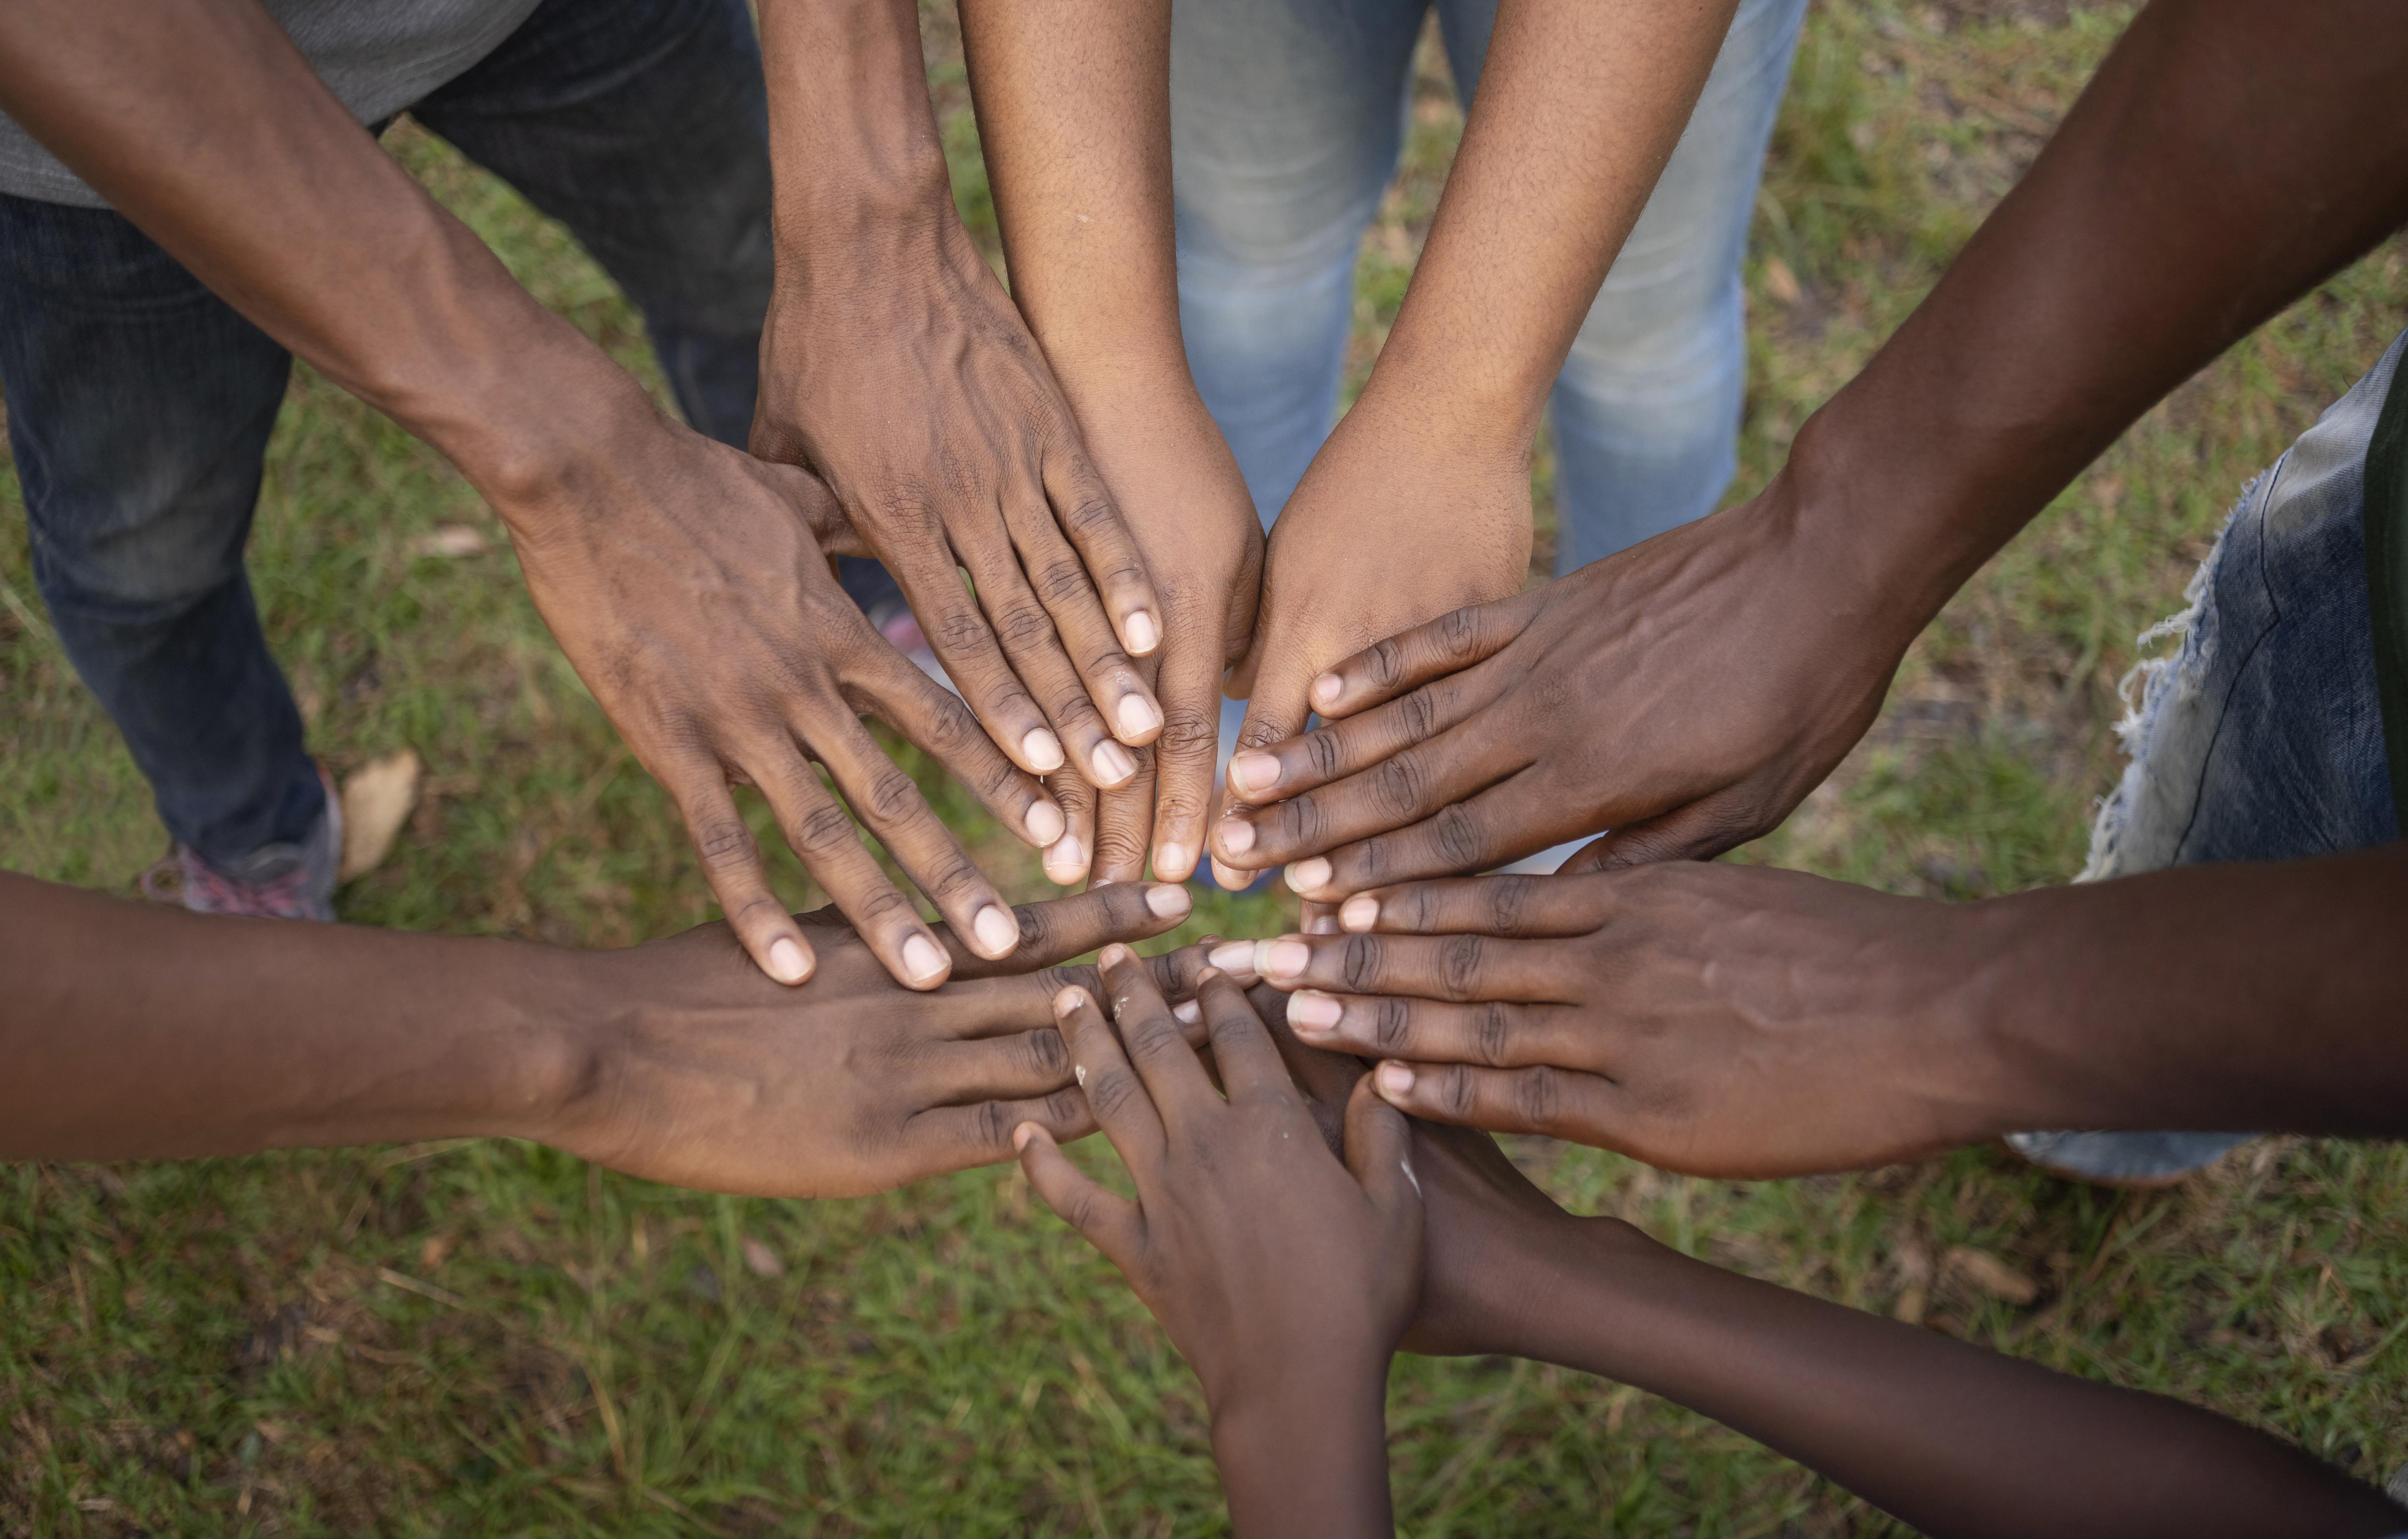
(1459, 961)
(1492, 1031)
(1417, 715)
(823, 830)
(1048, 1055)
(1508, 899)
(892, 797)
(1384, 661)
(1359, 963)
(1023, 626)
(1108, 1092)
(1457, 1095)
(1321, 751)
(723, 842)
(959, 628)
(1061, 581)
(1090, 512)
(1391, 1026)
(1538, 1098)
(1397, 786)
(994, 1125)
(1456, 835)
(1459, 632)
(1187, 730)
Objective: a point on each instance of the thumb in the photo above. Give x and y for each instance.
(1380, 1151)
(1109, 1223)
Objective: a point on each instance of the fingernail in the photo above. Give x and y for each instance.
(787, 963)
(1237, 836)
(998, 932)
(1231, 878)
(1393, 1079)
(1170, 863)
(1309, 875)
(1137, 716)
(1188, 1011)
(921, 958)
(1326, 689)
(1043, 750)
(1253, 772)
(1308, 1010)
(1282, 959)
(1359, 913)
(1143, 635)
(1021, 1136)
(1069, 1000)
(1070, 858)
(1237, 959)
(1113, 764)
(1114, 955)
(1045, 823)
(1168, 901)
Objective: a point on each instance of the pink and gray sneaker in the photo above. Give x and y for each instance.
(295, 881)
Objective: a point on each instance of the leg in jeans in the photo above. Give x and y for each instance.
(1287, 116)
(140, 405)
(643, 126)
(1646, 410)
(2261, 738)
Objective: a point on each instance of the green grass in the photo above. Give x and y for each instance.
(489, 1337)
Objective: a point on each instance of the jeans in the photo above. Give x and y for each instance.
(1287, 116)
(2261, 737)
(141, 403)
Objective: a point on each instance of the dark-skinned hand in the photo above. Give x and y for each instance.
(1685, 695)
(691, 590)
(707, 1075)
(1715, 1020)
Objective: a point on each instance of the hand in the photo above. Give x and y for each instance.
(1720, 1020)
(1283, 1276)
(1393, 525)
(1183, 499)
(909, 382)
(1685, 694)
(688, 586)
(704, 1074)
(1487, 1231)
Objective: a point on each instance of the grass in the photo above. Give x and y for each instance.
(486, 1338)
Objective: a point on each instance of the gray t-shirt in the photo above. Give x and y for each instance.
(377, 56)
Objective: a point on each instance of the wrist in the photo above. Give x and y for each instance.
(560, 1023)
(1307, 1454)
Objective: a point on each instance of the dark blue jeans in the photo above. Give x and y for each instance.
(139, 402)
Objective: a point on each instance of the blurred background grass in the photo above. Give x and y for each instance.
(484, 1337)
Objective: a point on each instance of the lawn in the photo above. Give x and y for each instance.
(487, 1338)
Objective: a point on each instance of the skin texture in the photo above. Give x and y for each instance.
(1073, 112)
(1420, 501)
(1940, 1434)
(139, 1031)
(1742, 1021)
(1688, 693)
(687, 582)
(1238, 1201)
(894, 367)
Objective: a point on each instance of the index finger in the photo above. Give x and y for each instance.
(1062, 928)
(1241, 1046)
(1092, 520)
(1173, 1074)
(1115, 1095)
(1449, 644)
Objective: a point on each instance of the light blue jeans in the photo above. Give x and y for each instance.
(2261, 738)
(1287, 116)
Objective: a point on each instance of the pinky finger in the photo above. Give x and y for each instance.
(731, 863)
(1111, 1223)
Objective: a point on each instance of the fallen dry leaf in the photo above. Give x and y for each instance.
(1985, 1274)
(377, 799)
(452, 542)
(1781, 283)
(437, 1249)
(761, 1261)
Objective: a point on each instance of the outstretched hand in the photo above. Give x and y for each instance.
(1284, 1276)
(690, 588)
(1710, 1018)
(1684, 694)
(706, 1075)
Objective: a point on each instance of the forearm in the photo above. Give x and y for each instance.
(2248, 996)
(136, 1031)
(1074, 117)
(1578, 109)
(2227, 157)
(203, 124)
(1313, 1458)
(1949, 1437)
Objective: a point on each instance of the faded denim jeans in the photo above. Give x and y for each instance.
(1287, 116)
(139, 403)
(2261, 738)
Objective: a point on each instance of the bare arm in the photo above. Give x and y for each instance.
(1074, 116)
(687, 582)
(2227, 157)
(136, 1031)
(1420, 502)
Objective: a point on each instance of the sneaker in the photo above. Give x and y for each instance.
(294, 881)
